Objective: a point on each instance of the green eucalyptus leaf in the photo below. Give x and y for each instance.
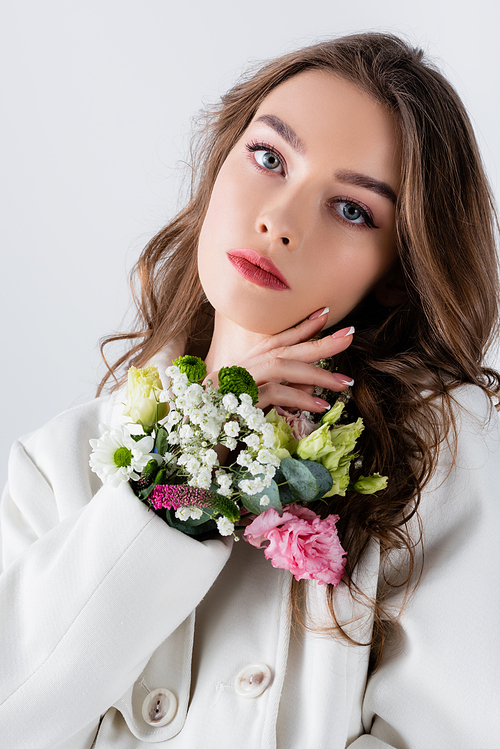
(252, 502)
(191, 527)
(279, 476)
(302, 482)
(322, 476)
(286, 495)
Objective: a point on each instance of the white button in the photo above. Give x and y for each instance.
(159, 707)
(253, 680)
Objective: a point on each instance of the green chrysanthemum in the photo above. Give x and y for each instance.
(193, 367)
(238, 380)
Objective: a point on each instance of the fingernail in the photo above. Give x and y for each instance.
(343, 379)
(343, 333)
(319, 313)
(321, 403)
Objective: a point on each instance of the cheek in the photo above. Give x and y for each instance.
(344, 278)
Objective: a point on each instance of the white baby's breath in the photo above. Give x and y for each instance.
(232, 428)
(224, 526)
(230, 402)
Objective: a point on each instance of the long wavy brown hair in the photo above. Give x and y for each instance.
(407, 360)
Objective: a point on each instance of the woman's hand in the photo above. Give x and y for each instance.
(281, 365)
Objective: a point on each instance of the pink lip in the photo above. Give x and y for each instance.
(260, 270)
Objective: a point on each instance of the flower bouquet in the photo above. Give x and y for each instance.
(207, 459)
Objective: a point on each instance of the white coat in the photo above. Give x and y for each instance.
(102, 603)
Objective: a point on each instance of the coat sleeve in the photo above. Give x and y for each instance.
(91, 586)
(438, 685)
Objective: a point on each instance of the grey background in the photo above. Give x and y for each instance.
(96, 102)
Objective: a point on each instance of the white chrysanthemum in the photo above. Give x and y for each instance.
(264, 500)
(117, 458)
(230, 402)
(224, 526)
(232, 428)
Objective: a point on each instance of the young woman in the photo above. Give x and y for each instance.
(340, 186)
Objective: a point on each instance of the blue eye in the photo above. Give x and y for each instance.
(266, 157)
(268, 160)
(353, 213)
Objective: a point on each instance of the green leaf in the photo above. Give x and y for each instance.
(301, 482)
(322, 476)
(191, 527)
(286, 495)
(137, 437)
(161, 442)
(252, 502)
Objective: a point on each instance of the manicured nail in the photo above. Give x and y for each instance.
(343, 379)
(319, 313)
(343, 333)
(321, 403)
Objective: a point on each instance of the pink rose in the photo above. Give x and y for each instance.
(300, 541)
(301, 425)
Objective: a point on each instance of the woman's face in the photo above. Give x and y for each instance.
(302, 213)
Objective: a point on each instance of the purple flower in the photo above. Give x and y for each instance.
(173, 496)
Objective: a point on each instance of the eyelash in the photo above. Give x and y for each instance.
(365, 212)
(254, 146)
(260, 146)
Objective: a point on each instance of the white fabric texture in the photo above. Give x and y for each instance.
(102, 602)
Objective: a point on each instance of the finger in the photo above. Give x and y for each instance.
(308, 351)
(322, 348)
(302, 386)
(275, 394)
(301, 332)
(277, 369)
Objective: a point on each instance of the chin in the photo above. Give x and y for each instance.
(255, 316)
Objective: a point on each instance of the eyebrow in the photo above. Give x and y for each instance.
(286, 132)
(369, 183)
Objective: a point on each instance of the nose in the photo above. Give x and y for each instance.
(288, 216)
(265, 227)
(280, 221)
